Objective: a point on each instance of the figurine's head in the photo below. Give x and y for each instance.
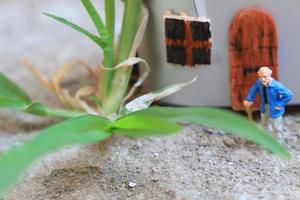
(265, 75)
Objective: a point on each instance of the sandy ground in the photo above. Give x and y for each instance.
(199, 163)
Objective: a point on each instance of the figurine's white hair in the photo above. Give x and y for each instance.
(264, 69)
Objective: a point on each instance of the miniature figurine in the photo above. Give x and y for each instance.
(274, 97)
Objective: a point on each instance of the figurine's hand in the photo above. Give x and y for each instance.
(278, 107)
(248, 103)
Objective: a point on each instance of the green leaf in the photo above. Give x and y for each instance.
(37, 109)
(101, 42)
(95, 18)
(218, 118)
(42, 110)
(11, 91)
(139, 126)
(12, 103)
(12, 96)
(85, 129)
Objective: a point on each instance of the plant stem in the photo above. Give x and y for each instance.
(108, 62)
(110, 19)
(120, 82)
(109, 59)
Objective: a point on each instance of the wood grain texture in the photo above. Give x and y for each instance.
(253, 43)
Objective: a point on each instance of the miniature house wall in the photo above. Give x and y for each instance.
(213, 87)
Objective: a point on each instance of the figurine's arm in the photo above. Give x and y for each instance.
(253, 92)
(251, 95)
(285, 96)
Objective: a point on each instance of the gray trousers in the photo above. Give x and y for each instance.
(274, 125)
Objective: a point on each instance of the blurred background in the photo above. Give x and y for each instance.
(27, 34)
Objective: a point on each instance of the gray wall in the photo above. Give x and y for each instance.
(212, 86)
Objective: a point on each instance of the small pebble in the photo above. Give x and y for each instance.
(207, 130)
(221, 132)
(155, 180)
(132, 184)
(228, 142)
(130, 194)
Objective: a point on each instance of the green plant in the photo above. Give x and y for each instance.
(135, 119)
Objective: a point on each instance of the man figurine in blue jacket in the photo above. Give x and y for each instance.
(274, 96)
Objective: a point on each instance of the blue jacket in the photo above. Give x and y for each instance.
(277, 95)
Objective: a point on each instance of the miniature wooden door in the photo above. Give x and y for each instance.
(253, 43)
